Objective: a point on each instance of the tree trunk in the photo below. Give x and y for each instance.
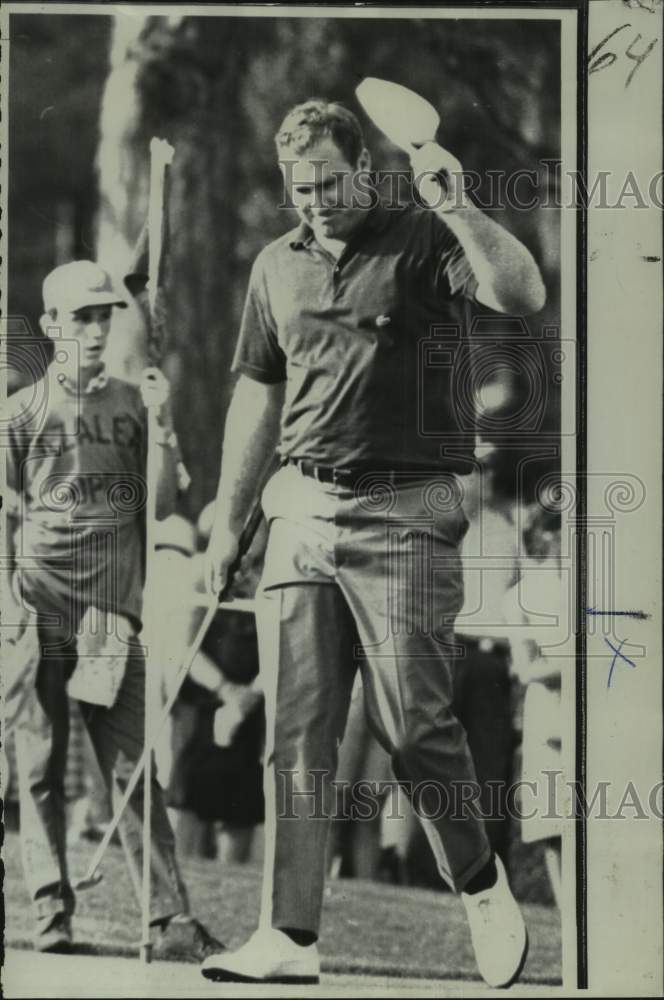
(167, 80)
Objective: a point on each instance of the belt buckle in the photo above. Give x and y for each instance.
(342, 477)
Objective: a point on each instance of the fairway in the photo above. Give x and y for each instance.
(368, 928)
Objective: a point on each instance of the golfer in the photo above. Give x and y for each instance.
(363, 564)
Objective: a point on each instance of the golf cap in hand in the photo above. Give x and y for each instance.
(79, 284)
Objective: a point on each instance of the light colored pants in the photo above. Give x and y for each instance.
(117, 738)
(373, 579)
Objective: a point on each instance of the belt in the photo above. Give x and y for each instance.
(351, 477)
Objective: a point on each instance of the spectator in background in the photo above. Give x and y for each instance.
(528, 605)
(481, 670)
(375, 846)
(181, 612)
(355, 843)
(216, 775)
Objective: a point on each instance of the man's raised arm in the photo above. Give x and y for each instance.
(508, 278)
(250, 438)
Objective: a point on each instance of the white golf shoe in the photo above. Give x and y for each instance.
(269, 956)
(499, 935)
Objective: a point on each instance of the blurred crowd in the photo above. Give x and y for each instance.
(507, 696)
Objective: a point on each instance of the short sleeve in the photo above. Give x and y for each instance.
(453, 275)
(258, 354)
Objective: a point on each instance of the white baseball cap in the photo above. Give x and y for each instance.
(78, 284)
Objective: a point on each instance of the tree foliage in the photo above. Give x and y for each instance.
(57, 70)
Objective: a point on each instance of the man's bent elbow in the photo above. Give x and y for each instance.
(522, 302)
(528, 300)
(536, 298)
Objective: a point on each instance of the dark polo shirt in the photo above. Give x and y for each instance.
(371, 346)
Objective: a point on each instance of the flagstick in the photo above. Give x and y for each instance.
(161, 154)
(150, 667)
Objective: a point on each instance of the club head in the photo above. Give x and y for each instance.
(89, 881)
(402, 115)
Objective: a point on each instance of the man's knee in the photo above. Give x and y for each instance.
(424, 737)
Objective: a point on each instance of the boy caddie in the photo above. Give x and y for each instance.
(76, 478)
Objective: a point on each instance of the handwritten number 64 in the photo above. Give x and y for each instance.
(598, 62)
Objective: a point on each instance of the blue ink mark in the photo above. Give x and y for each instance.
(641, 615)
(617, 653)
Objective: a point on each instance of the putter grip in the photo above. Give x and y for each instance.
(246, 538)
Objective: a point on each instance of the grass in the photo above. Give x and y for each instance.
(367, 927)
